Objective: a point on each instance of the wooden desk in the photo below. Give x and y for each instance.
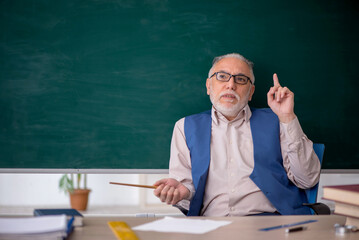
(240, 228)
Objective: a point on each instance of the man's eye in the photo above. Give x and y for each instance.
(241, 79)
(222, 76)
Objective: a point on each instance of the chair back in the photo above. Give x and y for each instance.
(312, 193)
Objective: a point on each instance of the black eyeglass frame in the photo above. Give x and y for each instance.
(240, 74)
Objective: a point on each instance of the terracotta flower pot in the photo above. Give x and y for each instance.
(79, 199)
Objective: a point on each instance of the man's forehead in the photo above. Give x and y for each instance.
(231, 62)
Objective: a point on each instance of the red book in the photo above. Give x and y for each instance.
(342, 193)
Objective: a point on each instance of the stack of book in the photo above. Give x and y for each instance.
(346, 198)
(46, 227)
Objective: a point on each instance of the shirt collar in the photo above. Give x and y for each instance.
(245, 114)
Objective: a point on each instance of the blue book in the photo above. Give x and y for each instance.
(69, 212)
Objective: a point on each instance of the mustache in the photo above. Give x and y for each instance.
(230, 92)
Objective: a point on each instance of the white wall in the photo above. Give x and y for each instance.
(42, 189)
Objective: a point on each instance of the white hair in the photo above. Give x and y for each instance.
(232, 55)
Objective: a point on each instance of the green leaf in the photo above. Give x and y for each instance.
(66, 184)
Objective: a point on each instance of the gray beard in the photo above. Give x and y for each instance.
(227, 112)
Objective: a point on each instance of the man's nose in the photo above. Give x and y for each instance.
(231, 84)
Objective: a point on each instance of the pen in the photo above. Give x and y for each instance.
(287, 225)
(296, 229)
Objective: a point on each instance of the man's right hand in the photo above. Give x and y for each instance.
(170, 190)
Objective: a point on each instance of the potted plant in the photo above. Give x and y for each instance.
(78, 195)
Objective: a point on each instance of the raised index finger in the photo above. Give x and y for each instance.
(275, 80)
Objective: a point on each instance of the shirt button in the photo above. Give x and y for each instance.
(231, 208)
(233, 190)
(232, 174)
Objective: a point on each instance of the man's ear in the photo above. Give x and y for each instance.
(208, 85)
(251, 93)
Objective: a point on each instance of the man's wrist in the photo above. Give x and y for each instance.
(287, 118)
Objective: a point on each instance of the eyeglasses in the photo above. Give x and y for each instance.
(239, 78)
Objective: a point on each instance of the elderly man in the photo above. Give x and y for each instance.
(234, 160)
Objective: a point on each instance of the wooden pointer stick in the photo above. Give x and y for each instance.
(134, 185)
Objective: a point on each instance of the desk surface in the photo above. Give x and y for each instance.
(240, 228)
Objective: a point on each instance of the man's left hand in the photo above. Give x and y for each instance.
(281, 101)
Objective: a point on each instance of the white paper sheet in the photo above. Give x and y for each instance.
(182, 225)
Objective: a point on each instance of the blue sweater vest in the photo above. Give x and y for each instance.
(268, 173)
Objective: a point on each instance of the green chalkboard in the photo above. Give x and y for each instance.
(99, 84)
